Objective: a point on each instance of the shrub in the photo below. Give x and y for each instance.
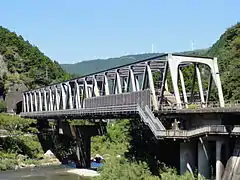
(192, 106)
(121, 169)
(16, 124)
(26, 145)
(3, 106)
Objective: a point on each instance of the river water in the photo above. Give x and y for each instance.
(41, 173)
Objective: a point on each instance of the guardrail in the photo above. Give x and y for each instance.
(210, 129)
(81, 112)
(199, 105)
(155, 126)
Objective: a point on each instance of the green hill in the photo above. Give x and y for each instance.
(91, 66)
(227, 50)
(23, 63)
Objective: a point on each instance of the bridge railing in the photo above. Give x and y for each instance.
(199, 105)
(125, 99)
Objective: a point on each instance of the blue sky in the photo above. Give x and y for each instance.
(74, 30)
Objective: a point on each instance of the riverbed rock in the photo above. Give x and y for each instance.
(49, 153)
(20, 156)
(84, 172)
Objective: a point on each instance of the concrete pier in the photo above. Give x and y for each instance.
(187, 157)
(219, 163)
(83, 151)
(203, 158)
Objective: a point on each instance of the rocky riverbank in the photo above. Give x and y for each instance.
(21, 161)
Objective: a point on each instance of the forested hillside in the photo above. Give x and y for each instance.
(91, 66)
(227, 50)
(22, 62)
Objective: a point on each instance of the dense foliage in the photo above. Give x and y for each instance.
(227, 50)
(20, 143)
(114, 146)
(3, 106)
(22, 62)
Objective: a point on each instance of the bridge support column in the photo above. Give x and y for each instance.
(83, 152)
(44, 136)
(203, 159)
(219, 164)
(187, 157)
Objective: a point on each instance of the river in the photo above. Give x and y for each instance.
(41, 173)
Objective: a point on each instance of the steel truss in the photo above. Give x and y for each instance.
(129, 78)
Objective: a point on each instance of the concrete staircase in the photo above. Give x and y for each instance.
(150, 120)
(160, 131)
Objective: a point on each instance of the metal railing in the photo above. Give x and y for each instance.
(199, 105)
(82, 112)
(159, 130)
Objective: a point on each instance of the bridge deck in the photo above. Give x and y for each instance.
(124, 111)
(86, 113)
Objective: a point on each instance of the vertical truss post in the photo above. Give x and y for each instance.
(40, 100)
(70, 103)
(106, 86)
(173, 66)
(85, 92)
(193, 83)
(31, 102)
(200, 86)
(81, 95)
(85, 87)
(77, 95)
(164, 83)
(45, 99)
(151, 85)
(27, 102)
(183, 88)
(89, 90)
(125, 84)
(95, 90)
(216, 77)
(132, 78)
(35, 101)
(137, 83)
(117, 89)
(50, 100)
(63, 93)
(24, 102)
(118, 81)
(57, 98)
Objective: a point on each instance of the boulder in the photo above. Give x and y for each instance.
(49, 153)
